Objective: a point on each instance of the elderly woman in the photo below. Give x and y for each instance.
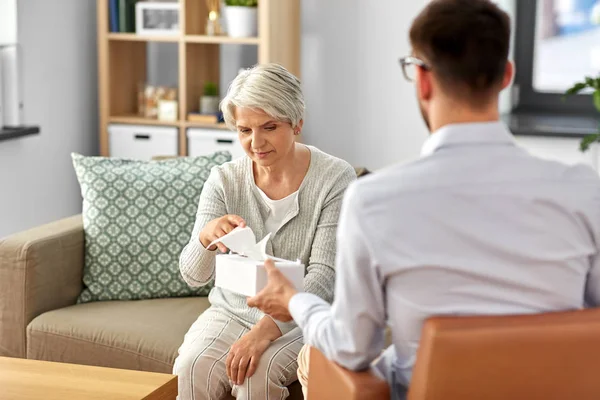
(289, 189)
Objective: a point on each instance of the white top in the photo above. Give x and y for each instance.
(278, 210)
(475, 226)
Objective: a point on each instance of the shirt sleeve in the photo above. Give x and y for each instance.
(592, 212)
(592, 290)
(351, 330)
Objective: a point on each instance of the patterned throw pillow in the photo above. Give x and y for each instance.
(137, 217)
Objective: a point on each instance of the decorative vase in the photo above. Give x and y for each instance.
(241, 21)
(209, 104)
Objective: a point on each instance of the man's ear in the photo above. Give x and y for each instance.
(509, 73)
(424, 84)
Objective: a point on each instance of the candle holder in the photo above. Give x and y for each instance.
(213, 23)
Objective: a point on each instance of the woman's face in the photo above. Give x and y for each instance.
(266, 141)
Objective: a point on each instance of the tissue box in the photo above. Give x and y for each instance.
(248, 277)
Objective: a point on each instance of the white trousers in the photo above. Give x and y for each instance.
(201, 368)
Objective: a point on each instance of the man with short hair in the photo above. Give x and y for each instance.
(476, 226)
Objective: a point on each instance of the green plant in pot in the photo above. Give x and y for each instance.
(594, 85)
(241, 17)
(209, 102)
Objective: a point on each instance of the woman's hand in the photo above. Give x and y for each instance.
(220, 227)
(245, 354)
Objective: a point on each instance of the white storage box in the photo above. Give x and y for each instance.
(142, 142)
(246, 276)
(202, 142)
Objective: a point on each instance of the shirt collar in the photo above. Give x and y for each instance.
(477, 133)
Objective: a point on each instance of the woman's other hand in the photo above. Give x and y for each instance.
(245, 354)
(218, 228)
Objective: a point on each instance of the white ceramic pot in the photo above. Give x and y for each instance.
(209, 104)
(241, 21)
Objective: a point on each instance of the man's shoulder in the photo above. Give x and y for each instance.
(421, 176)
(562, 173)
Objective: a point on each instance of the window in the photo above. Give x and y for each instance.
(567, 43)
(557, 44)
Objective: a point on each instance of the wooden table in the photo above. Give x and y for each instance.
(29, 379)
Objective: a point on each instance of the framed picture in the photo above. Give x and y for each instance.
(157, 18)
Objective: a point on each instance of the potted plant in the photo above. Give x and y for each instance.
(241, 17)
(594, 85)
(209, 102)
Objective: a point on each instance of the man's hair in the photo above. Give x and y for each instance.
(466, 44)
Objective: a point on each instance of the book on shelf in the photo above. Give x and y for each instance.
(127, 16)
(121, 15)
(113, 15)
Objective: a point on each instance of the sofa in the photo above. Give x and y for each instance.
(40, 279)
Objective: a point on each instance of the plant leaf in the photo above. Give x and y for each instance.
(587, 141)
(597, 99)
(578, 87)
(591, 82)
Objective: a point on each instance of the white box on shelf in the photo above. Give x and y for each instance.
(244, 272)
(167, 110)
(157, 18)
(142, 142)
(202, 142)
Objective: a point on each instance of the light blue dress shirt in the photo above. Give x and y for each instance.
(475, 226)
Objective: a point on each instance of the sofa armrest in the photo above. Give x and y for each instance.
(328, 380)
(40, 270)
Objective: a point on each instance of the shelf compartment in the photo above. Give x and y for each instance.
(201, 66)
(127, 66)
(196, 15)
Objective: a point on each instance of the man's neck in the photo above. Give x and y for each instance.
(448, 114)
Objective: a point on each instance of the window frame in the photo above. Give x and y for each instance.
(525, 97)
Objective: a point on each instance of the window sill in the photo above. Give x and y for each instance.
(13, 132)
(551, 125)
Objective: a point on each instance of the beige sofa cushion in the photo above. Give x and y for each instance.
(141, 335)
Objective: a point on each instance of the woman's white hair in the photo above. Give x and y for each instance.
(267, 87)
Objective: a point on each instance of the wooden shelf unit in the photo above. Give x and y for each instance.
(132, 37)
(122, 59)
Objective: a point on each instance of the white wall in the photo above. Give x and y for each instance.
(360, 108)
(37, 181)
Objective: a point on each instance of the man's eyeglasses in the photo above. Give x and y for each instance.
(409, 66)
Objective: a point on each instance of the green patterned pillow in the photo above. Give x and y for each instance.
(137, 217)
